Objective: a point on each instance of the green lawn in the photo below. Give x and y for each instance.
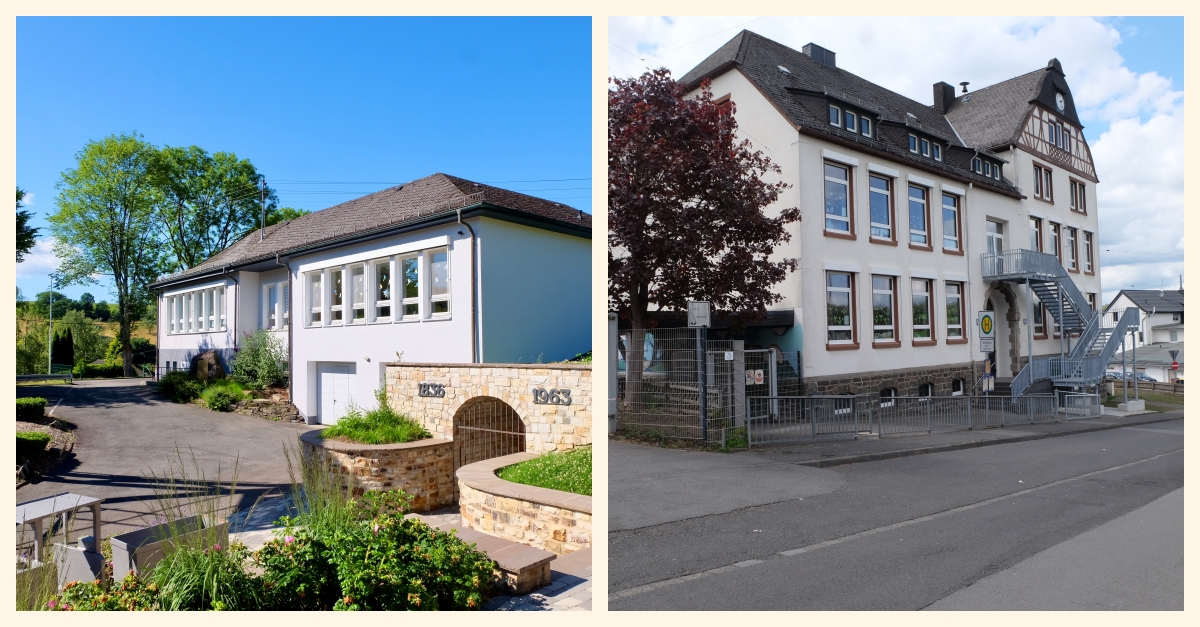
(569, 471)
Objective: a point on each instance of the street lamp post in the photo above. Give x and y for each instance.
(50, 333)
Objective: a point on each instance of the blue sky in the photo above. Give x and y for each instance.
(366, 102)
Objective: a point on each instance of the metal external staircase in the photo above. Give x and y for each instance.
(1088, 358)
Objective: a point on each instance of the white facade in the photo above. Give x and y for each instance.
(942, 263)
(346, 311)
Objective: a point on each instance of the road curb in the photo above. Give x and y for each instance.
(871, 457)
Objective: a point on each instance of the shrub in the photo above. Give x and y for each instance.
(297, 573)
(98, 371)
(179, 387)
(261, 361)
(31, 409)
(381, 425)
(220, 395)
(131, 594)
(31, 444)
(569, 471)
(143, 351)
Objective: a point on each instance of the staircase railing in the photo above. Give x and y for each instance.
(1021, 263)
(1128, 320)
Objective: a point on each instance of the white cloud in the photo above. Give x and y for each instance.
(1139, 155)
(27, 200)
(39, 262)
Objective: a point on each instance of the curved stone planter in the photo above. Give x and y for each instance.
(424, 469)
(559, 522)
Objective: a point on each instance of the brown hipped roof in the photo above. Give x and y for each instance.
(395, 206)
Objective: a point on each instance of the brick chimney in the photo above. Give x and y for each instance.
(943, 95)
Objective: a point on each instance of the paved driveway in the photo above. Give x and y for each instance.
(127, 432)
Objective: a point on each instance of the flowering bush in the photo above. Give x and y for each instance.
(131, 594)
(297, 574)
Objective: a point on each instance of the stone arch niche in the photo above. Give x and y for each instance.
(1013, 317)
(485, 427)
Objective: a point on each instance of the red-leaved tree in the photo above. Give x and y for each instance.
(685, 204)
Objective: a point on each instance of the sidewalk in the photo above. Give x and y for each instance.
(825, 453)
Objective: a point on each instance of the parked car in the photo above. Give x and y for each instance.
(1116, 376)
(1141, 376)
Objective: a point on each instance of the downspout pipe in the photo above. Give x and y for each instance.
(474, 309)
(291, 294)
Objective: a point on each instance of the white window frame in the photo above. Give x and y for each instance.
(1072, 253)
(912, 144)
(951, 237)
(316, 306)
(353, 307)
(835, 115)
(433, 300)
(1087, 250)
(374, 301)
(197, 311)
(937, 152)
(890, 292)
(954, 331)
(282, 306)
(407, 301)
(924, 213)
(866, 125)
(887, 195)
(928, 294)
(851, 121)
(846, 182)
(849, 291)
(890, 397)
(924, 147)
(957, 387)
(334, 308)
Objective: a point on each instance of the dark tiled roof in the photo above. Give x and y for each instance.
(760, 59)
(438, 193)
(1149, 300)
(1159, 354)
(994, 115)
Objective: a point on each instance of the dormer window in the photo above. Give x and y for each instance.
(851, 122)
(865, 124)
(937, 152)
(912, 143)
(977, 165)
(987, 169)
(924, 147)
(835, 116)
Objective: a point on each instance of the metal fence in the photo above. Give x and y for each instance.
(912, 414)
(781, 419)
(1075, 406)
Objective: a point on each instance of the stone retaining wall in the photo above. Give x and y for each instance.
(559, 522)
(906, 381)
(548, 427)
(269, 409)
(424, 469)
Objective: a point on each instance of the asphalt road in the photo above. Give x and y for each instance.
(127, 433)
(904, 534)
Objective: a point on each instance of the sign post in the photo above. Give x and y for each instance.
(700, 318)
(985, 323)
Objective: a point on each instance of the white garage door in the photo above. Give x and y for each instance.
(333, 391)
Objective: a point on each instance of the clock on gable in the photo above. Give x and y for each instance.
(1060, 101)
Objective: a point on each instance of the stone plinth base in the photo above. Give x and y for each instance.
(1138, 405)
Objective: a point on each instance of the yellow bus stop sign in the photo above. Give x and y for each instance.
(985, 324)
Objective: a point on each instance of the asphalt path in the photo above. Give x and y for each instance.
(902, 533)
(127, 434)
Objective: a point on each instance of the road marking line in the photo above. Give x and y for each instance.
(812, 547)
(51, 413)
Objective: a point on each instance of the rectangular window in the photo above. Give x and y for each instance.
(918, 226)
(1039, 319)
(851, 122)
(881, 207)
(1072, 251)
(208, 317)
(1055, 242)
(837, 198)
(1042, 180)
(198, 311)
(912, 143)
(954, 326)
(1078, 197)
(922, 327)
(949, 222)
(1047, 185)
(925, 147)
(977, 165)
(287, 305)
(865, 124)
(937, 152)
(835, 116)
(1092, 300)
(314, 298)
(358, 293)
(383, 290)
(1174, 336)
(439, 270)
(987, 168)
(1035, 234)
(410, 275)
(336, 297)
(839, 308)
(1087, 252)
(883, 299)
(271, 305)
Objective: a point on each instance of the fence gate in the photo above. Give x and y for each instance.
(486, 427)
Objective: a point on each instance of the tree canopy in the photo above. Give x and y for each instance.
(686, 202)
(26, 235)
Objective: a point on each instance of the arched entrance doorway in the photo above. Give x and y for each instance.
(486, 427)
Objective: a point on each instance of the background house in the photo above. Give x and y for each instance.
(440, 269)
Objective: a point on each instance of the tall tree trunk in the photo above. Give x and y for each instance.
(635, 351)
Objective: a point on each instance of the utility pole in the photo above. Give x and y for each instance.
(263, 222)
(50, 333)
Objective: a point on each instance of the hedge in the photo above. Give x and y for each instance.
(31, 409)
(99, 371)
(30, 444)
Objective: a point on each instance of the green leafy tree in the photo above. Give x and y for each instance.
(26, 235)
(62, 304)
(90, 343)
(63, 349)
(32, 346)
(87, 303)
(104, 225)
(209, 202)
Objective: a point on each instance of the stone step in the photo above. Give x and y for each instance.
(521, 569)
